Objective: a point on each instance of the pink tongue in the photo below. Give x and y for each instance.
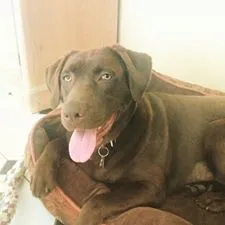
(82, 144)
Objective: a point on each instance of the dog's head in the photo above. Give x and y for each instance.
(95, 86)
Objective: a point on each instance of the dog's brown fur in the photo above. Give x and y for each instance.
(162, 141)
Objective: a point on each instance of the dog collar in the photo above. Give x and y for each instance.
(104, 150)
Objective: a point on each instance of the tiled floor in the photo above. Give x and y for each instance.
(15, 124)
(30, 210)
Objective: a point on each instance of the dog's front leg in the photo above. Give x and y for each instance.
(128, 196)
(43, 178)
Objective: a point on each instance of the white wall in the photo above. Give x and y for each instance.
(185, 38)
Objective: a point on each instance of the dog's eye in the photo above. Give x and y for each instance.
(67, 77)
(106, 76)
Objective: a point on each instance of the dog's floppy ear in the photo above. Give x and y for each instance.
(139, 68)
(52, 75)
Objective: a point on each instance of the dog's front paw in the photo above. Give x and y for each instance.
(212, 201)
(43, 179)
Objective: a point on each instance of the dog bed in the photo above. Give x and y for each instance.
(75, 187)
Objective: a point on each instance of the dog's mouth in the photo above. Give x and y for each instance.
(84, 142)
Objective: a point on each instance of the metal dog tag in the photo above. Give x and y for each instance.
(103, 152)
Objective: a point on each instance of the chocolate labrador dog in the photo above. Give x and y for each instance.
(143, 145)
